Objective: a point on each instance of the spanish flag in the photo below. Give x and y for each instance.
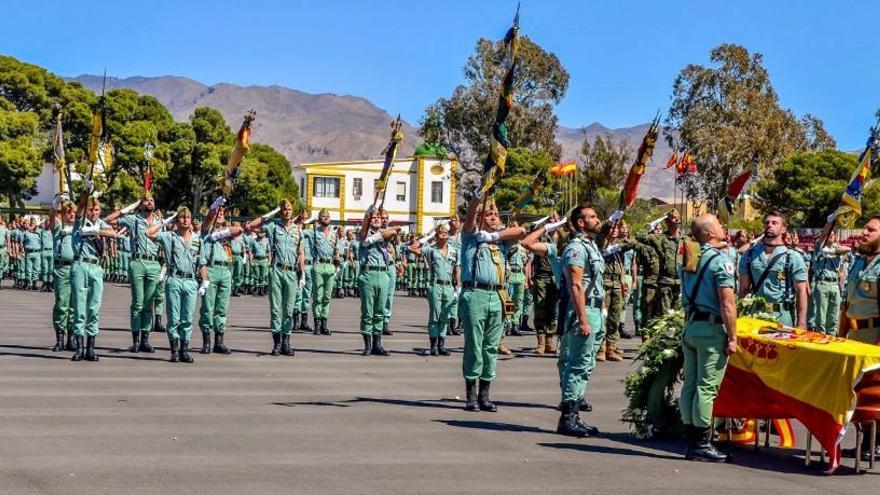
(646, 149)
(242, 146)
(561, 169)
(851, 201)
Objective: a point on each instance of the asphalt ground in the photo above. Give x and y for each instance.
(329, 420)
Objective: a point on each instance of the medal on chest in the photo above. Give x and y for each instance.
(780, 275)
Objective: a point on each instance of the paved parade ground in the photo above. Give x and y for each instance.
(328, 420)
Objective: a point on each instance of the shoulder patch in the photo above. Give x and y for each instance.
(728, 267)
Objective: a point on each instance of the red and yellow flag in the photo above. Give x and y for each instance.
(561, 169)
(646, 149)
(242, 146)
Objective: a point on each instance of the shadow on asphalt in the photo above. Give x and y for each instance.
(601, 449)
(488, 425)
(433, 403)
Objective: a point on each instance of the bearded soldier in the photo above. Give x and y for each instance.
(776, 273)
(484, 288)
(374, 281)
(287, 274)
(181, 248)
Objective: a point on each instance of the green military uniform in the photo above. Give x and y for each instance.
(45, 256)
(545, 283)
(143, 275)
(633, 296)
(455, 241)
(862, 296)
(410, 273)
(612, 282)
(304, 294)
(4, 253)
(649, 273)
(283, 275)
(774, 277)
(517, 257)
(260, 252)
(339, 278)
(323, 253)
(123, 245)
(704, 338)
(441, 292)
(87, 283)
(577, 356)
(33, 248)
(181, 288)
(661, 295)
(825, 298)
(238, 263)
(373, 285)
(216, 256)
(395, 260)
(63, 263)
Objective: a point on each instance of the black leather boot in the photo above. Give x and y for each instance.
(378, 350)
(385, 330)
(324, 329)
(59, 342)
(304, 322)
(441, 346)
(69, 345)
(206, 343)
(286, 350)
(80, 351)
(524, 324)
(185, 356)
(145, 343)
(219, 346)
(317, 322)
(691, 440)
(276, 344)
(135, 342)
(514, 329)
(90, 349)
(294, 322)
(368, 344)
(567, 423)
(470, 396)
(174, 354)
(158, 327)
(455, 328)
(483, 397)
(703, 450)
(433, 350)
(236, 292)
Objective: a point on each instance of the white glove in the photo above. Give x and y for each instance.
(370, 210)
(220, 201)
(457, 291)
(59, 198)
(94, 229)
(832, 217)
(616, 216)
(89, 186)
(302, 282)
(128, 209)
(220, 234)
(204, 287)
(270, 214)
(537, 223)
(427, 237)
(654, 223)
(168, 220)
(829, 250)
(483, 236)
(478, 193)
(162, 272)
(611, 250)
(553, 227)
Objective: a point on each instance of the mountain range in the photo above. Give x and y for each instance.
(328, 127)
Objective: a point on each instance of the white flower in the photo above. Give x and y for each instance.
(668, 353)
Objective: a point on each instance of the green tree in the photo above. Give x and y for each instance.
(462, 122)
(807, 186)
(605, 165)
(20, 152)
(522, 167)
(728, 116)
(264, 180)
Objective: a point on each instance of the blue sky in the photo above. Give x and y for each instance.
(402, 55)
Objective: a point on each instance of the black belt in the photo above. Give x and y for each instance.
(865, 323)
(593, 302)
(325, 260)
(145, 257)
(781, 306)
(62, 262)
(703, 316)
(375, 268)
(442, 282)
(828, 279)
(482, 286)
(88, 260)
(285, 268)
(227, 264)
(186, 275)
(516, 270)
(32, 250)
(260, 257)
(47, 250)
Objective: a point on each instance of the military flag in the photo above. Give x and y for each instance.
(58, 153)
(390, 154)
(493, 167)
(241, 148)
(672, 160)
(851, 201)
(737, 186)
(637, 170)
(562, 169)
(100, 149)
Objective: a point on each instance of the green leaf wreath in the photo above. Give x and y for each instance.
(652, 410)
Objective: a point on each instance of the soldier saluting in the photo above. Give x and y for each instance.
(771, 270)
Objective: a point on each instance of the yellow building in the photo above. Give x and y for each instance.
(419, 189)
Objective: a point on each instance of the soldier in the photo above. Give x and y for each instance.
(351, 265)
(660, 298)
(860, 314)
(583, 267)
(33, 249)
(159, 301)
(181, 249)
(545, 280)
(63, 262)
(517, 259)
(238, 262)
(45, 257)
(630, 286)
(484, 288)
(455, 241)
(86, 275)
(13, 248)
(305, 294)
(394, 260)
(4, 252)
(826, 272)
(409, 256)
(123, 244)
(217, 287)
(322, 245)
(776, 273)
(259, 246)
(442, 258)
(144, 268)
(287, 274)
(374, 281)
(341, 248)
(709, 335)
(612, 281)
